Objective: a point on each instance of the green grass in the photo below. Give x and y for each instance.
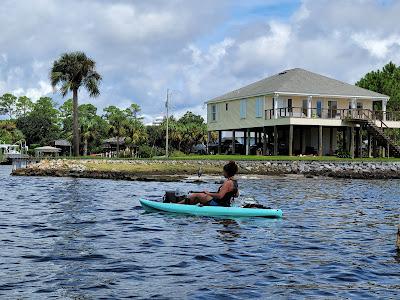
(248, 157)
(276, 158)
(154, 168)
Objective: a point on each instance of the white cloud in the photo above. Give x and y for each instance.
(378, 47)
(199, 49)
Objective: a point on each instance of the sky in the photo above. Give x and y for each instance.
(197, 49)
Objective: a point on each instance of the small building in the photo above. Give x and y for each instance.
(64, 146)
(47, 151)
(299, 112)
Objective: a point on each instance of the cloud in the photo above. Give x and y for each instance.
(198, 49)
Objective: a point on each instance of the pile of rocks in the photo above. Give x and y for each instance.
(339, 169)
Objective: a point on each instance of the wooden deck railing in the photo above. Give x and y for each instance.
(326, 113)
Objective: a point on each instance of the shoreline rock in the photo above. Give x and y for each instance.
(177, 170)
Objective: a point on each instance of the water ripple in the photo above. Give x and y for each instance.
(89, 239)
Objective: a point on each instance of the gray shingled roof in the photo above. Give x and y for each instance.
(299, 81)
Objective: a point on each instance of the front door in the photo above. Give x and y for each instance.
(332, 109)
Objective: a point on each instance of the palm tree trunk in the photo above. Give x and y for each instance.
(85, 147)
(75, 122)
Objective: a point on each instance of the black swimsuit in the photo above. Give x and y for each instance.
(227, 198)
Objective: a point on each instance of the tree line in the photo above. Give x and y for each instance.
(42, 122)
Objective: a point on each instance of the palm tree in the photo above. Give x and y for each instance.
(72, 71)
(117, 121)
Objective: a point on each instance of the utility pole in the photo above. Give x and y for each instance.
(166, 135)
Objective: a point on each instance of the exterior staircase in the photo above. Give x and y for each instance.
(369, 121)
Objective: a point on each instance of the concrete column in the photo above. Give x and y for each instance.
(320, 147)
(331, 141)
(290, 140)
(264, 140)
(384, 104)
(303, 140)
(233, 141)
(352, 142)
(275, 140)
(360, 142)
(388, 150)
(219, 141)
(276, 98)
(248, 142)
(309, 104)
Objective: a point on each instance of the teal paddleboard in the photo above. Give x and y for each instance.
(210, 211)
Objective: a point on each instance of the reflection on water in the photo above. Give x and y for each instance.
(89, 239)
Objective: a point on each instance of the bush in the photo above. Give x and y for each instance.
(145, 151)
(177, 153)
(343, 154)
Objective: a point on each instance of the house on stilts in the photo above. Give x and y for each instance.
(300, 112)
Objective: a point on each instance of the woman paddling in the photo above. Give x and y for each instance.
(226, 192)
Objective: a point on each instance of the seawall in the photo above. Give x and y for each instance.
(172, 170)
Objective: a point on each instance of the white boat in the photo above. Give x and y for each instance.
(11, 151)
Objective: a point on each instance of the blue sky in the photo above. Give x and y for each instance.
(199, 49)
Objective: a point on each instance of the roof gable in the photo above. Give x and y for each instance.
(300, 81)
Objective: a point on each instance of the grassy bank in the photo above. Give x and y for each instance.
(249, 158)
(151, 168)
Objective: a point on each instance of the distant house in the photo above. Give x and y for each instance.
(301, 112)
(110, 145)
(65, 147)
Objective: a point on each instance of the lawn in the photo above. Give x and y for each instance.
(256, 158)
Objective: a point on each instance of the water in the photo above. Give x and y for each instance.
(89, 239)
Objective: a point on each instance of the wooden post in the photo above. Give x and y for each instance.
(248, 142)
(369, 145)
(245, 140)
(352, 142)
(233, 141)
(331, 141)
(264, 140)
(219, 141)
(320, 149)
(345, 138)
(290, 140)
(275, 140)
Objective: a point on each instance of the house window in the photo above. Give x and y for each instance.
(243, 108)
(259, 107)
(213, 112)
(226, 106)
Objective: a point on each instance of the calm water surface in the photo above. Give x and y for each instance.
(89, 239)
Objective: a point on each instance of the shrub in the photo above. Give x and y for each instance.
(145, 151)
(177, 153)
(343, 154)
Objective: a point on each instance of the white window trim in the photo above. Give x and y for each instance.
(212, 113)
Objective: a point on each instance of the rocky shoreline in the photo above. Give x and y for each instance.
(177, 170)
